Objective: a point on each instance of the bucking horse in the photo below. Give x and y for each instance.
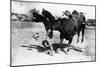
(67, 27)
(70, 26)
(47, 22)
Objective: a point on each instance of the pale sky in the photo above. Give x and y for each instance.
(55, 9)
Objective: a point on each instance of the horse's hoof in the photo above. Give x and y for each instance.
(66, 53)
(67, 50)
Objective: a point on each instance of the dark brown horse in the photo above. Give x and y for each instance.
(47, 24)
(51, 20)
(48, 20)
(40, 18)
(67, 28)
(80, 18)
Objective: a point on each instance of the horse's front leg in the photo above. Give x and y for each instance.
(69, 43)
(51, 47)
(47, 32)
(46, 35)
(61, 41)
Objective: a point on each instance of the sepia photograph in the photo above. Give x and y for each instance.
(51, 33)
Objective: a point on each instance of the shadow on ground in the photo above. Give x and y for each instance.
(37, 47)
(55, 47)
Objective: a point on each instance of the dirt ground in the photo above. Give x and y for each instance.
(21, 34)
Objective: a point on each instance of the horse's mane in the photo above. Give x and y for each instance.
(40, 18)
(48, 15)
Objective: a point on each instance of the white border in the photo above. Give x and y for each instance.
(5, 33)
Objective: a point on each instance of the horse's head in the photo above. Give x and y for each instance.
(44, 12)
(82, 18)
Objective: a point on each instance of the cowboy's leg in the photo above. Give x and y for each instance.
(51, 47)
(50, 44)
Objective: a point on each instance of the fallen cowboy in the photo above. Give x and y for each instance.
(46, 45)
(56, 46)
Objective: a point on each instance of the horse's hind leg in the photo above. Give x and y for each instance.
(61, 41)
(82, 35)
(78, 36)
(69, 44)
(83, 29)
